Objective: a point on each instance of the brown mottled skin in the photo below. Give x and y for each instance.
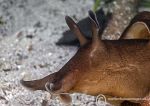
(116, 68)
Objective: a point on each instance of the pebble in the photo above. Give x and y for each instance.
(6, 66)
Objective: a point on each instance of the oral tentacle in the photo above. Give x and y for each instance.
(38, 84)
